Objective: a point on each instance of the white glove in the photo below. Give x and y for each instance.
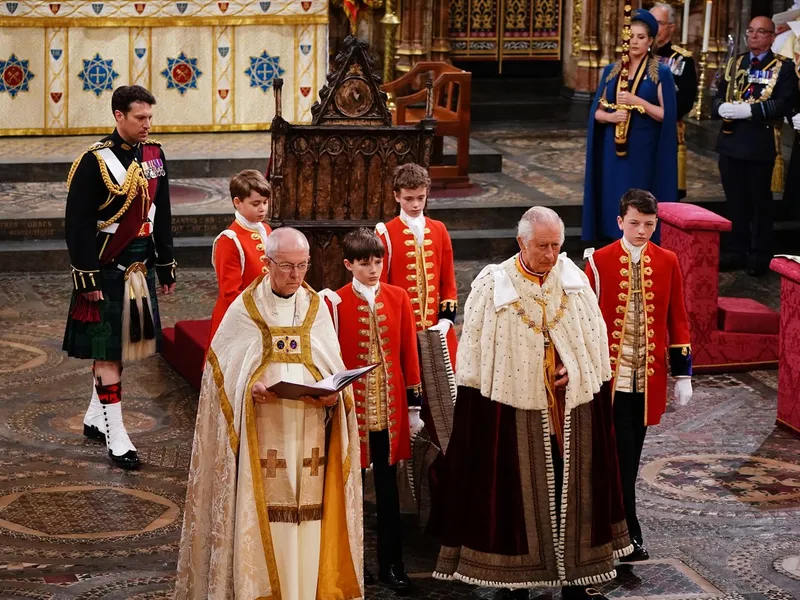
(796, 121)
(414, 422)
(726, 110)
(443, 325)
(742, 111)
(683, 390)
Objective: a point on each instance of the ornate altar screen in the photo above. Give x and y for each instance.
(502, 30)
(210, 65)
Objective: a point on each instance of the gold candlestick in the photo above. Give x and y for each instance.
(390, 23)
(697, 111)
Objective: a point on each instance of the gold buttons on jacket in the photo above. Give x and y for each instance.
(260, 247)
(264, 269)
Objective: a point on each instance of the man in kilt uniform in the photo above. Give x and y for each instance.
(118, 232)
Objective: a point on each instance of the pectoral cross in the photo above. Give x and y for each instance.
(271, 464)
(315, 462)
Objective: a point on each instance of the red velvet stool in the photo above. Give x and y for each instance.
(789, 364)
(728, 334)
(184, 347)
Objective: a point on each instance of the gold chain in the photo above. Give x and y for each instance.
(545, 327)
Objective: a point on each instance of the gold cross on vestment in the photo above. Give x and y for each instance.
(271, 464)
(315, 462)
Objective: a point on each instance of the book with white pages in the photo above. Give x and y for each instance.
(325, 387)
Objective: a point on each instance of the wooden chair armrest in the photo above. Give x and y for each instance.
(407, 79)
(403, 101)
(421, 67)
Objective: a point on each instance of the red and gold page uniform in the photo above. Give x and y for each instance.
(384, 334)
(642, 305)
(238, 258)
(425, 270)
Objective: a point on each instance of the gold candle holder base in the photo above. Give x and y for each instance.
(697, 113)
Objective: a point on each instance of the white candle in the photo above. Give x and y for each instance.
(685, 22)
(707, 26)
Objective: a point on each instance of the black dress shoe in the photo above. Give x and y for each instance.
(395, 577)
(129, 460)
(93, 433)
(639, 553)
(368, 578)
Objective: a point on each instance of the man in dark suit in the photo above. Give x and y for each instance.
(758, 90)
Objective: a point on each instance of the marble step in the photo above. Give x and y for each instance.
(37, 165)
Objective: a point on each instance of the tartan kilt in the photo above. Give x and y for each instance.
(103, 340)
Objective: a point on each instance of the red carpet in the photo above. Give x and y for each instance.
(184, 347)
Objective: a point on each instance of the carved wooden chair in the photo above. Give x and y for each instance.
(335, 175)
(452, 99)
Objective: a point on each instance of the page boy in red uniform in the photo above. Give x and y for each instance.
(640, 291)
(420, 256)
(375, 324)
(238, 252)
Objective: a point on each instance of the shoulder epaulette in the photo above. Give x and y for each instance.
(153, 142)
(93, 148)
(682, 51)
(100, 145)
(781, 58)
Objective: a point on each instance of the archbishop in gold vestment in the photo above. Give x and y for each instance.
(273, 508)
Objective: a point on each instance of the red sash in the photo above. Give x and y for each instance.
(136, 215)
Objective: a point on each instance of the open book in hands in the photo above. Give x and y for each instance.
(325, 387)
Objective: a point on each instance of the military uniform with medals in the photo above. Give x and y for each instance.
(750, 163)
(118, 234)
(681, 64)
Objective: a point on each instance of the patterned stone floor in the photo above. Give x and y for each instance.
(540, 165)
(720, 490)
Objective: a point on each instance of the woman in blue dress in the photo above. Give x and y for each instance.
(651, 160)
